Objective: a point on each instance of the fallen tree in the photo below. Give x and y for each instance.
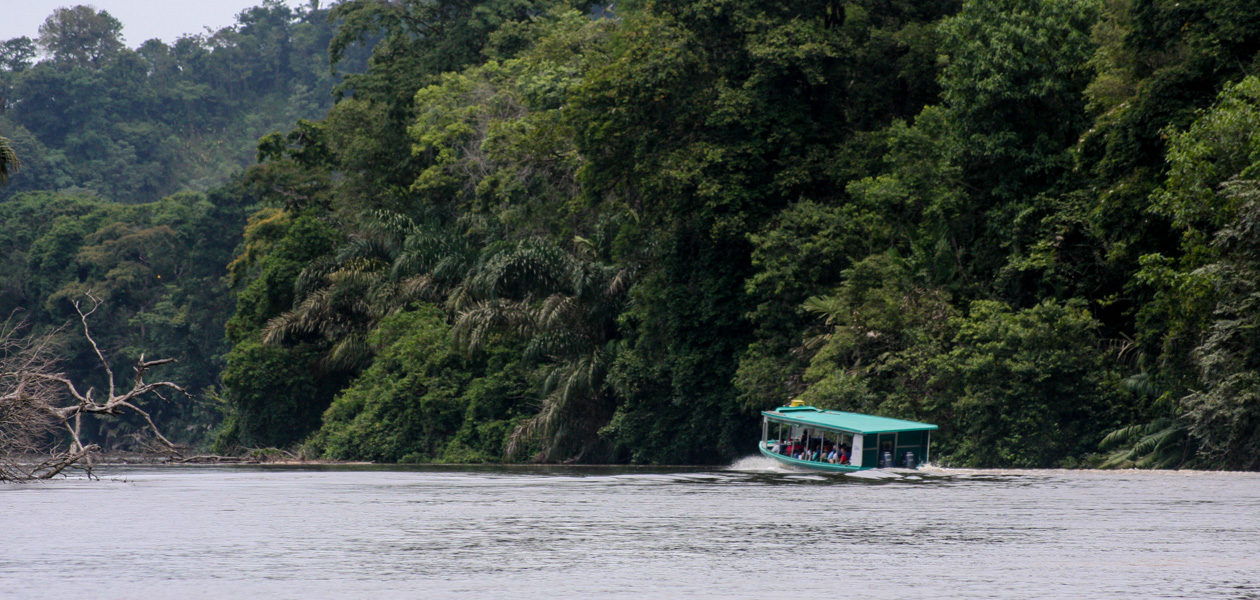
(42, 410)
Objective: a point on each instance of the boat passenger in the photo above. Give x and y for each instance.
(834, 456)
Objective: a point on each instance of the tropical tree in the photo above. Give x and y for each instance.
(9, 162)
(1025, 387)
(1198, 316)
(565, 305)
(1224, 414)
(16, 54)
(80, 35)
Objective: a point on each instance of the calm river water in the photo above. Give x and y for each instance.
(747, 531)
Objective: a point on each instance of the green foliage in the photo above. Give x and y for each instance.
(804, 251)
(1159, 444)
(407, 402)
(159, 269)
(1221, 145)
(1011, 109)
(1012, 85)
(566, 307)
(415, 40)
(411, 43)
(418, 401)
(794, 200)
(1224, 415)
(1028, 388)
(277, 247)
(523, 232)
(1009, 387)
(135, 125)
(276, 397)
(1201, 310)
(9, 162)
(707, 121)
(1158, 61)
(883, 324)
(80, 35)
(17, 54)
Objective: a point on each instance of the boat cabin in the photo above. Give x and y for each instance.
(832, 440)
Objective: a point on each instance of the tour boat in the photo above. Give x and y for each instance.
(802, 436)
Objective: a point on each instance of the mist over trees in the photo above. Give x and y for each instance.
(559, 231)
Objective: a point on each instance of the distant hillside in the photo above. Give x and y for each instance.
(136, 125)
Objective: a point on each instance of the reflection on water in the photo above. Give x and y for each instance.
(751, 530)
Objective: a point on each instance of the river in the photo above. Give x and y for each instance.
(746, 531)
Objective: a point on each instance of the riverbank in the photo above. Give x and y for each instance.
(752, 462)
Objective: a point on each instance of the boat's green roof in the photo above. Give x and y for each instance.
(844, 421)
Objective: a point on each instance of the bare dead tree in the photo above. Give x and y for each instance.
(37, 403)
(26, 426)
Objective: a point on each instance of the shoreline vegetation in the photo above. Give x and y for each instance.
(562, 232)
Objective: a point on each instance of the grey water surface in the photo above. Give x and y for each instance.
(747, 531)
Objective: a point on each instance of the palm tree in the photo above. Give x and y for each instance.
(566, 306)
(563, 304)
(9, 162)
(390, 262)
(340, 298)
(1163, 443)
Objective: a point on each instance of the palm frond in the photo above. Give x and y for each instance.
(619, 283)
(9, 163)
(833, 308)
(533, 267)
(571, 388)
(418, 287)
(556, 344)
(460, 299)
(313, 276)
(387, 223)
(303, 320)
(558, 310)
(359, 273)
(351, 352)
(367, 248)
(1158, 444)
(474, 327)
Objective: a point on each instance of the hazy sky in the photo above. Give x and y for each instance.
(141, 19)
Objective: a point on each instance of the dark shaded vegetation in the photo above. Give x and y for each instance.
(538, 230)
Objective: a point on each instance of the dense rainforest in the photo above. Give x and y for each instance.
(118, 183)
(548, 230)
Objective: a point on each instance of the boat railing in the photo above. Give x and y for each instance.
(792, 449)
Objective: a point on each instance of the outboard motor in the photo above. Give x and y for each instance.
(910, 460)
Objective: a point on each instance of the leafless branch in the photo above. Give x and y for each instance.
(32, 409)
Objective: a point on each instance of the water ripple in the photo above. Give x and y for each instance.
(750, 530)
